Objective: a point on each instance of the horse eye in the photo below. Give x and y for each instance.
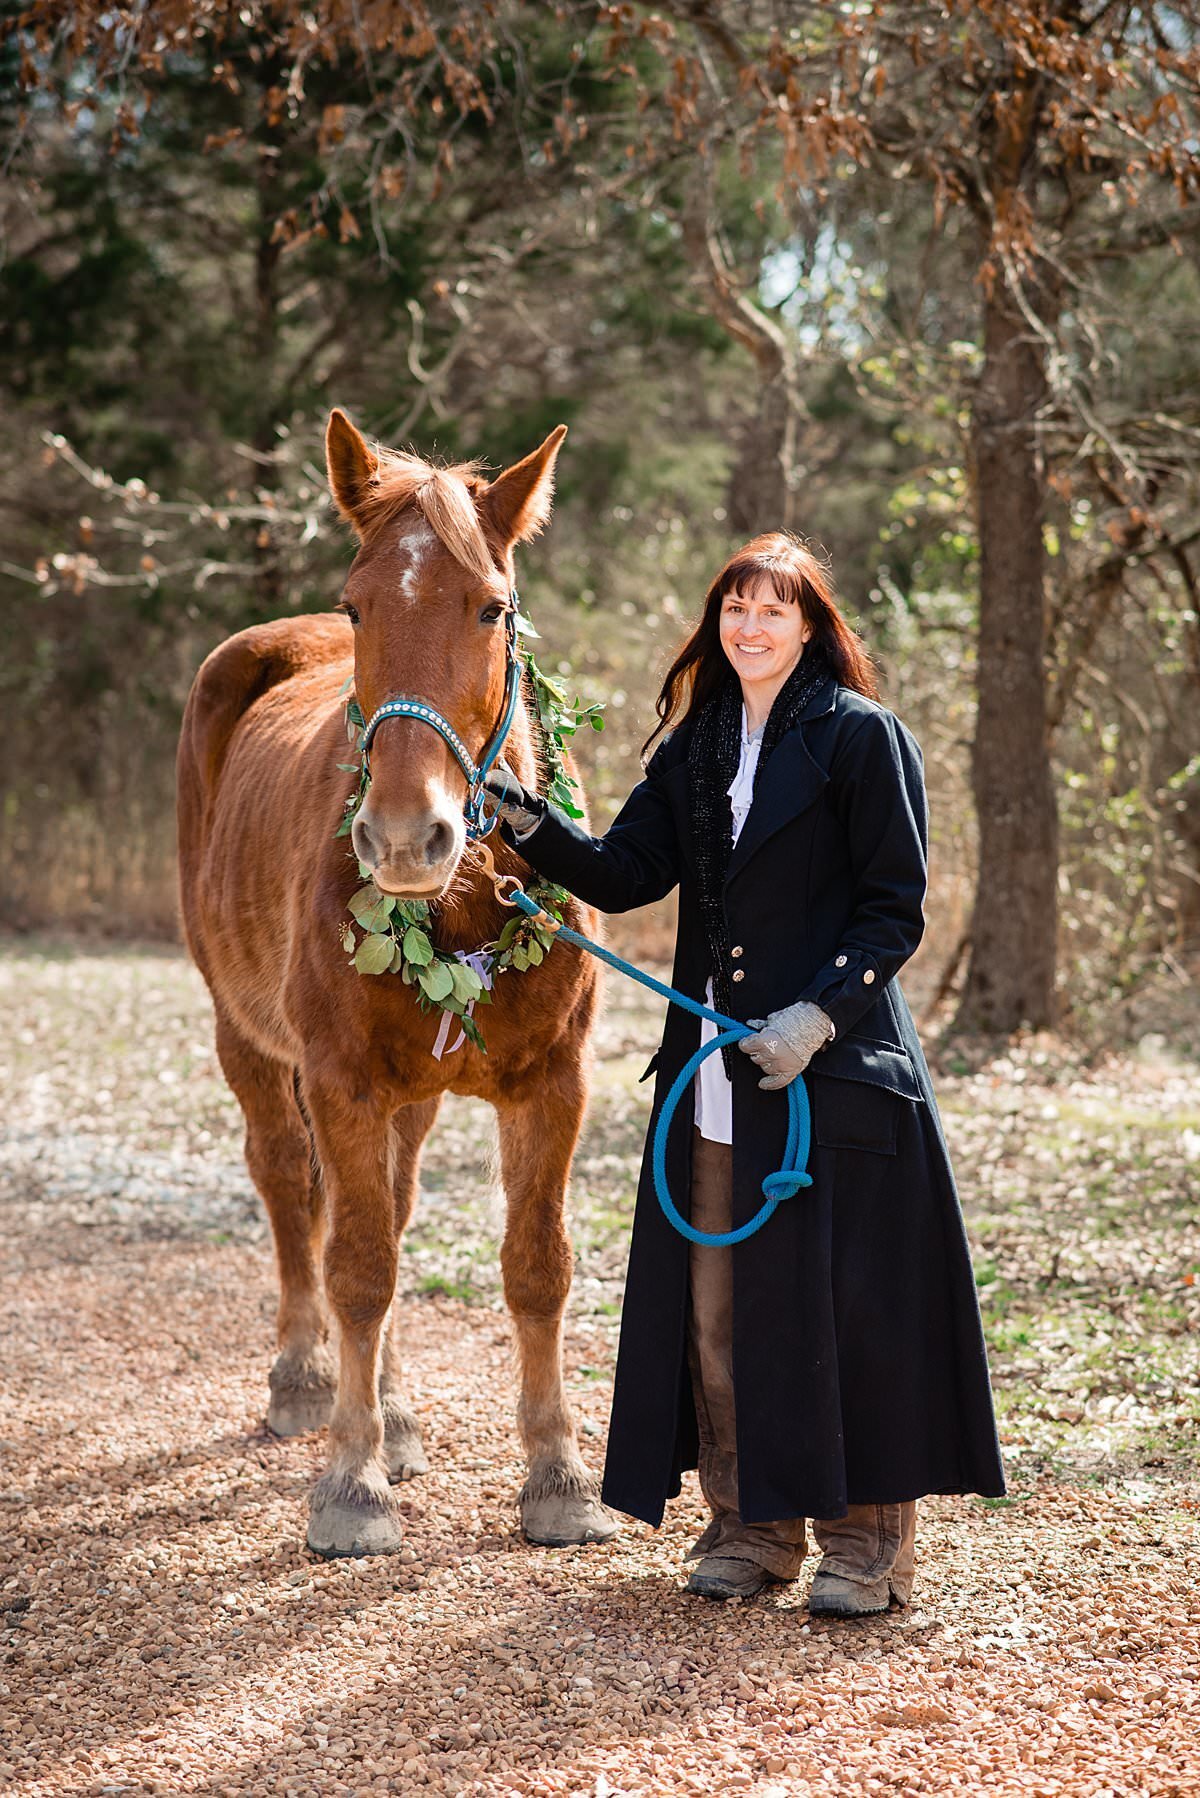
(491, 613)
(350, 611)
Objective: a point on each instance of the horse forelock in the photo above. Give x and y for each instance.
(442, 496)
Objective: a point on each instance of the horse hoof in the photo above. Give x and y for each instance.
(297, 1413)
(352, 1517)
(301, 1396)
(403, 1450)
(557, 1519)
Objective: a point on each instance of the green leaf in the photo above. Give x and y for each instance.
(505, 939)
(436, 981)
(364, 873)
(525, 626)
(374, 954)
(366, 899)
(397, 961)
(354, 713)
(348, 939)
(520, 958)
(534, 953)
(372, 908)
(345, 827)
(467, 984)
(417, 946)
(474, 1034)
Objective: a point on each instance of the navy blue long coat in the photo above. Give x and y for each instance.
(859, 1366)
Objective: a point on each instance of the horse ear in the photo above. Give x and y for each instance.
(517, 504)
(350, 462)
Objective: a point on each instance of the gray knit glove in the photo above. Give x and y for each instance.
(521, 810)
(787, 1042)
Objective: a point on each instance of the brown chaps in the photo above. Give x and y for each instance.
(872, 1542)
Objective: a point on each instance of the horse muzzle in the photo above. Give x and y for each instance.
(412, 857)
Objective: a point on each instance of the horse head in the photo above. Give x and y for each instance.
(429, 595)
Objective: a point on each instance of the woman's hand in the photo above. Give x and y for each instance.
(517, 806)
(786, 1042)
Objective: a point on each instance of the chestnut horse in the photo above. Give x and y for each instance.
(334, 1070)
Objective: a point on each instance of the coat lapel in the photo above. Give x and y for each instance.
(787, 786)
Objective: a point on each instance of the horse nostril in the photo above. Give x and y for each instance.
(439, 845)
(364, 843)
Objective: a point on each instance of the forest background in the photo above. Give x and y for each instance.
(918, 281)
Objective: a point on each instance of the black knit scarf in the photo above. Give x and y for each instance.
(713, 756)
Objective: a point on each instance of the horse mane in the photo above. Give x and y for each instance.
(443, 496)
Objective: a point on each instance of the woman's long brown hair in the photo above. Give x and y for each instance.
(799, 578)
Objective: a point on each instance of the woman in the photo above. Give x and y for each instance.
(832, 1365)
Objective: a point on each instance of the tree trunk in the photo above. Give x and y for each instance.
(268, 579)
(762, 481)
(765, 474)
(1010, 978)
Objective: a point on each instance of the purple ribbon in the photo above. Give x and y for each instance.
(481, 962)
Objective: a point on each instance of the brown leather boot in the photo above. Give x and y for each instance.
(832, 1596)
(868, 1559)
(727, 1576)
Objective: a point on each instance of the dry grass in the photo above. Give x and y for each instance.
(166, 1631)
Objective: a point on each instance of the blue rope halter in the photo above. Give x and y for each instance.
(477, 822)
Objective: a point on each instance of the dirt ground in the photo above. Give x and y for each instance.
(165, 1629)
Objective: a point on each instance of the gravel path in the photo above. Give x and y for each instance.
(165, 1630)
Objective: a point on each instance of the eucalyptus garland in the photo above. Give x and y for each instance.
(397, 934)
(558, 722)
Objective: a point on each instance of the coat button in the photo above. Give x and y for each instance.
(736, 951)
(839, 961)
(869, 977)
(739, 973)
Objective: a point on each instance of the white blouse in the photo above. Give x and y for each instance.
(714, 1090)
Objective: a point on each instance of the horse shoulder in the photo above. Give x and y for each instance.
(239, 672)
(231, 681)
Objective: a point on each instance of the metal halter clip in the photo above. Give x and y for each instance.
(504, 885)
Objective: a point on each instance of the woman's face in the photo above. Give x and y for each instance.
(762, 635)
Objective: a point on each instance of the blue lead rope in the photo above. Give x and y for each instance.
(784, 1184)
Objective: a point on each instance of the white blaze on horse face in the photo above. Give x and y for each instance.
(415, 547)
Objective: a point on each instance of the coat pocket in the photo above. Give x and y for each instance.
(849, 1116)
(859, 1088)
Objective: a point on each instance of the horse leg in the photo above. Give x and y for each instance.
(560, 1502)
(403, 1451)
(280, 1159)
(353, 1511)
